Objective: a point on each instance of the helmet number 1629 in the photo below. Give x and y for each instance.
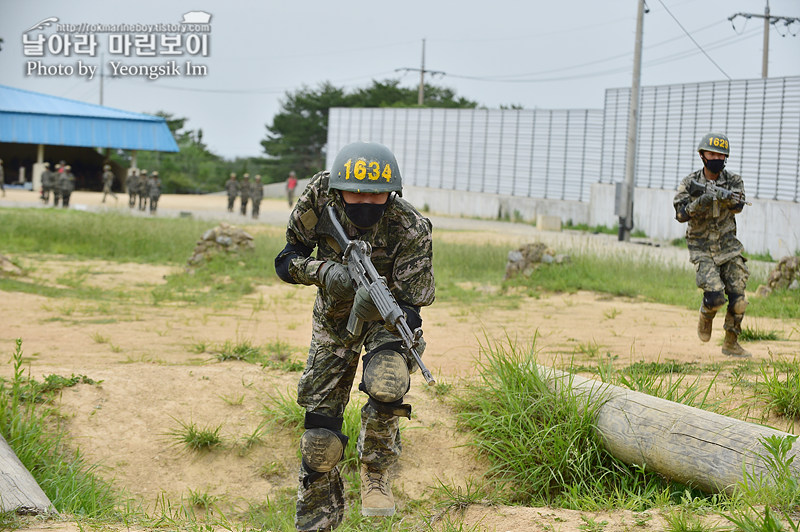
(372, 170)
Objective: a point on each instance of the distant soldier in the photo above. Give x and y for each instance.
(66, 185)
(132, 184)
(108, 181)
(154, 190)
(2, 179)
(47, 183)
(256, 195)
(56, 179)
(143, 190)
(291, 185)
(244, 193)
(232, 187)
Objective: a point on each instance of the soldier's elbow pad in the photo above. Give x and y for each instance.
(284, 259)
(681, 215)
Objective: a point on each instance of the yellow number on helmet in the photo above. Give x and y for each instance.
(375, 168)
(387, 173)
(360, 169)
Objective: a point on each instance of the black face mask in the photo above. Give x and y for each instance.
(714, 166)
(364, 215)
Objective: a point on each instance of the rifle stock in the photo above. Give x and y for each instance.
(356, 255)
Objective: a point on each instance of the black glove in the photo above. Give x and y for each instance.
(701, 204)
(364, 307)
(336, 280)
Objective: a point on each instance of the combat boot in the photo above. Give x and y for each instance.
(704, 324)
(731, 346)
(376, 493)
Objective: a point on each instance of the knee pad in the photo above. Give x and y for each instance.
(713, 300)
(322, 444)
(737, 303)
(385, 379)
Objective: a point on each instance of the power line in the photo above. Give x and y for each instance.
(692, 38)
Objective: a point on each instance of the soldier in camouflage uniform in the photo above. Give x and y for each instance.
(65, 185)
(143, 189)
(154, 191)
(47, 183)
(108, 181)
(711, 237)
(232, 187)
(132, 184)
(244, 194)
(363, 187)
(256, 195)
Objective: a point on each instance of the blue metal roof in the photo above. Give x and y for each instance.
(34, 118)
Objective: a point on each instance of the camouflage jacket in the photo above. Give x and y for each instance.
(48, 179)
(108, 178)
(154, 188)
(232, 186)
(245, 190)
(402, 252)
(257, 191)
(711, 233)
(132, 183)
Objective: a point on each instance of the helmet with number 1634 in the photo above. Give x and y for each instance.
(366, 167)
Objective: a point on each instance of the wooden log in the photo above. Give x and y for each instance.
(19, 491)
(686, 444)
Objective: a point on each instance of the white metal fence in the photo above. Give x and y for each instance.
(532, 153)
(760, 117)
(559, 154)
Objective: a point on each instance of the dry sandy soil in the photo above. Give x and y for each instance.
(153, 378)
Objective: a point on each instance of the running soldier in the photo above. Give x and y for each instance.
(256, 195)
(711, 237)
(154, 191)
(244, 193)
(373, 211)
(108, 181)
(232, 187)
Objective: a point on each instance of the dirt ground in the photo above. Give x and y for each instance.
(153, 378)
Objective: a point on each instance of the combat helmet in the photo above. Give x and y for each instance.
(366, 167)
(714, 142)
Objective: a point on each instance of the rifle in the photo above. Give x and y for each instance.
(355, 254)
(697, 189)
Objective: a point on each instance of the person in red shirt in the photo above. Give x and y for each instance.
(291, 184)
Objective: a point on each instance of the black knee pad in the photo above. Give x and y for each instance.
(321, 445)
(385, 379)
(737, 303)
(713, 300)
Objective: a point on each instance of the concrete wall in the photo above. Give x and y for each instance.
(765, 227)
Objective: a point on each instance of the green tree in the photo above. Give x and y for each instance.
(298, 134)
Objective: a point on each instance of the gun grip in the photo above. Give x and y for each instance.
(354, 324)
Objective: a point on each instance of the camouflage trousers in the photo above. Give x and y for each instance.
(729, 277)
(324, 388)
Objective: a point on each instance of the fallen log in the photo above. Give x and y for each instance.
(19, 491)
(686, 444)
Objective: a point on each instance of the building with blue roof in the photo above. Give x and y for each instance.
(36, 127)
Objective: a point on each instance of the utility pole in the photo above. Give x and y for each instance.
(768, 19)
(625, 203)
(422, 72)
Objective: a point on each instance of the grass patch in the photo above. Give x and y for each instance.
(196, 438)
(781, 387)
(70, 483)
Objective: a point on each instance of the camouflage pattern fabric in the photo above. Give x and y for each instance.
(256, 195)
(402, 252)
(132, 184)
(232, 188)
(154, 192)
(711, 237)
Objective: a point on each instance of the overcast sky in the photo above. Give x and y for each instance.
(544, 54)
